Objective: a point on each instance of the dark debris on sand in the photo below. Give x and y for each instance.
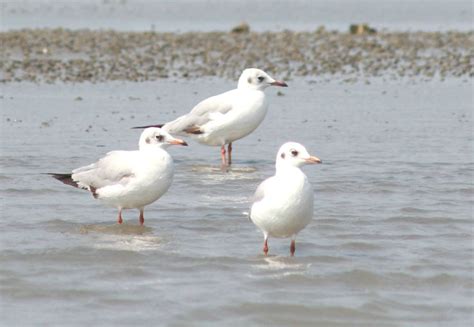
(51, 55)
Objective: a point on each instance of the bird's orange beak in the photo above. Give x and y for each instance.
(313, 160)
(279, 83)
(178, 142)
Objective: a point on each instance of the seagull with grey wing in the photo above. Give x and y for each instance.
(224, 118)
(283, 204)
(129, 179)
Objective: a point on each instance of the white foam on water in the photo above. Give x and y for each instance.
(280, 263)
(136, 243)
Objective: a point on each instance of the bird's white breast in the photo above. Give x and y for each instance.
(249, 108)
(287, 206)
(152, 176)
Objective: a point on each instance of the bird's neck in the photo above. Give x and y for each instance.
(243, 85)
(283, 168)
(150, 148)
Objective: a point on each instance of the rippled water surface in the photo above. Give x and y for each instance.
(208, 15)
(390, 244)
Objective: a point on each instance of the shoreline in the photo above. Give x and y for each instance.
(61, 55)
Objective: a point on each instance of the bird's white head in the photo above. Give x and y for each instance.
(292, 154)
(154, 136)
(253, 78)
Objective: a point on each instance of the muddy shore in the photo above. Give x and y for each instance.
(52, 55)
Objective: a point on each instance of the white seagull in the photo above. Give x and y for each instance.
(226, 117)
(129, 179)
(283, 203)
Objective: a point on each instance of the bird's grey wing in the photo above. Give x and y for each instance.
(205, 111)
(259, 194)
(116, 167)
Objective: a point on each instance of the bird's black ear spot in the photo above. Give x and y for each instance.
(147, 140)
(249, 80)
(282, 155)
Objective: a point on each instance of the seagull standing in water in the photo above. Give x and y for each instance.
(226, 117)
(129, 179)
(283, 203)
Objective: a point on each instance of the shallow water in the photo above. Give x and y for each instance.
(390, 244)
(196, 15)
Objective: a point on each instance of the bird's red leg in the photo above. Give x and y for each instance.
(265, 246)
(224, 163)
(292, 247)
(142, 217)
(119, 219)
(229, 153)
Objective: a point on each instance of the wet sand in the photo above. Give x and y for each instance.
(53, 55)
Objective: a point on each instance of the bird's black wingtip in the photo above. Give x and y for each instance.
(147, 126)
(65, 178)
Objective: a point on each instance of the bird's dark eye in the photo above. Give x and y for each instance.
(294, 153)
(260, 78)
(160, 138)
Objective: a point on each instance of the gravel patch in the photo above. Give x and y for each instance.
(52, 55)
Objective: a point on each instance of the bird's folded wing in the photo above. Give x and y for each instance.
(259, 195)
(262, 189)
(210, 109)
(115, 168)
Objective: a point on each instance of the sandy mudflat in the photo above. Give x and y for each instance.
(50, 55)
